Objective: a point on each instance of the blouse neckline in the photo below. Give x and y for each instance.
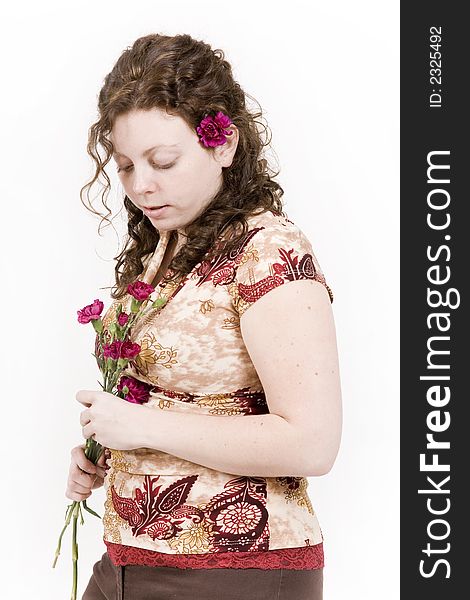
(156, 259)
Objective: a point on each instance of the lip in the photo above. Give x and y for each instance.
(155, 212)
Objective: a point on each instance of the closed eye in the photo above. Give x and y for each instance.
(127, 169)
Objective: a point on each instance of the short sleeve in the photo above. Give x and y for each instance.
(271, 256)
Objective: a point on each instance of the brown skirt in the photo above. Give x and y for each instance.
(139, 582)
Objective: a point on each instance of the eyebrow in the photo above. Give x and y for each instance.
(147, 152)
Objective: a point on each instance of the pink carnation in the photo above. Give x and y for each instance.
(129, 350)
(119, 349)
(213, 130)
(140, 290)
(122, 319)
(139, 392)
(90, 312)
(112, 350)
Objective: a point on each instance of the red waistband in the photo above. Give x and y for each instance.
(306, 557)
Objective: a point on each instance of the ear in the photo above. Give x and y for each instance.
(224, 153)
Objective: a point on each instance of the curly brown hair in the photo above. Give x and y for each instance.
(187, 78)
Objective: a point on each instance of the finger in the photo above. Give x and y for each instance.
(80, 476)
(84, 397)
(87, 431)
(85, 416)
(80, 487)
(79, 484)
(101, 467)
(82, 461)
(98, 483)
(79, 496)
(103, 458)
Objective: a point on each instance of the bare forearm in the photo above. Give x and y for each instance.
(262, 445)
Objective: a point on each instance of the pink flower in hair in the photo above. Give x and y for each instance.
(213, 130)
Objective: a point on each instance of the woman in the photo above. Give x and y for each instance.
(206, 481)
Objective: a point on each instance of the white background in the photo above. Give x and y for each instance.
(326, 76)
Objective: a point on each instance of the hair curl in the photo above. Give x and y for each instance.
(187, 78)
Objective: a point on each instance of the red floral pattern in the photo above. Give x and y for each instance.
(222, 270)
(239, 516)
(236, 519)
(157, 513)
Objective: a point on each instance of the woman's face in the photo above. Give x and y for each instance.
(160, 162)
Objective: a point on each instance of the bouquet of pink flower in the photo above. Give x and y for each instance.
(113, 352)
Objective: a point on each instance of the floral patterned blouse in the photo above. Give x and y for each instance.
(162, 510)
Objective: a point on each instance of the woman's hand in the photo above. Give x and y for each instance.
(84, 476)
(111, 421)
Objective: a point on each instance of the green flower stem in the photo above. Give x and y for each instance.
(112, 384)
(134, 316)
(68, 515)
(126, 327)
(105, 381)
(75, 551)
(81, 514)
(93, 450)
(71, 509)
(87, 508)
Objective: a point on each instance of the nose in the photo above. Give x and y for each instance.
(143, 182)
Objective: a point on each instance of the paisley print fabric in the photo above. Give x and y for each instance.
(161, 509)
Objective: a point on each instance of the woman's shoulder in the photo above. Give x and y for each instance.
(269, 217)
(271, 230)
(274, 223)
(274, 251)
(266, 221)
